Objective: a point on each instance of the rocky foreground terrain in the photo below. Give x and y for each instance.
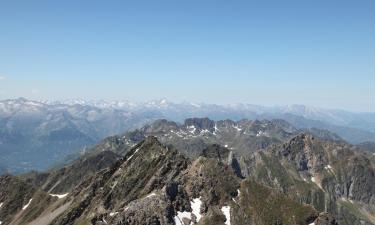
(202, 172)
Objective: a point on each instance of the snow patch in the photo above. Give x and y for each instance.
(261, 133)
(1, 204)
(205, 131)
(150, 195)
(226, 211)
(237, 128)
(114, 184)
(180, 216)
(328, 167)
(313, 223)
(27, 205)
(195, 205)
(196, 208)
(226, 146)
(113, 214)
(216, 129)
(59, 196)
(347, 200)
(132, 155)
(313, 179)
(192, 129)
(177, 133)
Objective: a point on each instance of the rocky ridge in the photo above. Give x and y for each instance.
(303, 179)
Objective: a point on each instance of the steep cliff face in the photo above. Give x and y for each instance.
(332, 176)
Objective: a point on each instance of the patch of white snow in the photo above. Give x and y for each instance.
(59, 196)
(195, 205)
(113, 214)
(313, 179)
(178, 220)
(196, 208)
(216, 129)
(226, 212)
(192, 129)
(150, 195)
(27, 205)
(204, 131)
(237, 128)
(132, 155)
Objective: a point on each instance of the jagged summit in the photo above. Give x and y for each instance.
(200, 124)
(196, 134)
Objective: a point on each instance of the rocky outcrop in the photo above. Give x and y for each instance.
(159, 126)
(332, 176)
(200, 124)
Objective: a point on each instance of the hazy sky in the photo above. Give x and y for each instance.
(312, 52)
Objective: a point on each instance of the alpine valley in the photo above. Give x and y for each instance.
(199, 171)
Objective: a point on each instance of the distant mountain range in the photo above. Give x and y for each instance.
(364, 121)
(38, 134)
(35, 135)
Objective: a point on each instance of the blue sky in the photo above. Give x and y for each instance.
(319, 53)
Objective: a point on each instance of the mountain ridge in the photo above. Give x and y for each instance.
(31, 130)
(325, 175)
